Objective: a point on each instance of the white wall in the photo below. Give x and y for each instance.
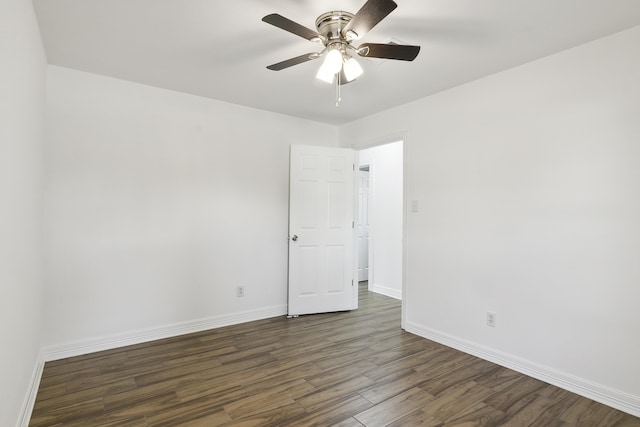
(158, 205)
(529, 184)
(385, 217)
(22, 92)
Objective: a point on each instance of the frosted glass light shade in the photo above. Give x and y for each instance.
(325, 75)
(332, 64)
(333, 61)
(352, 70)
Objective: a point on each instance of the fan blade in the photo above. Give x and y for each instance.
(368, 17)
(389, 51)
(293, 61)
(293, 27)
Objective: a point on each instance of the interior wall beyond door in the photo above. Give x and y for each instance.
(385, 217)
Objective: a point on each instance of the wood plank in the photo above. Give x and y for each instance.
(458, 400)
(395, 408)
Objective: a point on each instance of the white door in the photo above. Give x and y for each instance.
(321, 230)
(363, 225)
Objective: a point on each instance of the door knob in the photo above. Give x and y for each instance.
(294, 237)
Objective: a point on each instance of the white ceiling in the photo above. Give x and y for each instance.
(219, 49)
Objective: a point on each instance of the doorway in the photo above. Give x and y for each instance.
(380, 222)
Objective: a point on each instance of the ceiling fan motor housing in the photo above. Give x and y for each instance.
(330, 24)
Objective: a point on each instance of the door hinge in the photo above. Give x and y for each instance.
(353, 224)
(354, 167)
(352, 283)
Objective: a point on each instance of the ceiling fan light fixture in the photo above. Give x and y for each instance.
(325, 75)
(332, 64)
(352, 70)
(333, 61)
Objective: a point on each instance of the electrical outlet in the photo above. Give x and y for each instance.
(240, 291)
(491, 319)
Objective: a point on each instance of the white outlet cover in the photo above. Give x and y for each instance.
(491, 319)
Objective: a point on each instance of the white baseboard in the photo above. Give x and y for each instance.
(600, 393)
(390, 292)
(32, 392)
(92, 345)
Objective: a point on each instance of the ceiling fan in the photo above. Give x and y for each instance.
(337, 30)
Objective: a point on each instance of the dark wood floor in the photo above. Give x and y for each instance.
(343, 369)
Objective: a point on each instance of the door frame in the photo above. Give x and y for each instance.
(388, 139)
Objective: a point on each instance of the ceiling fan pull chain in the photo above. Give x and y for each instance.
(338, 97)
